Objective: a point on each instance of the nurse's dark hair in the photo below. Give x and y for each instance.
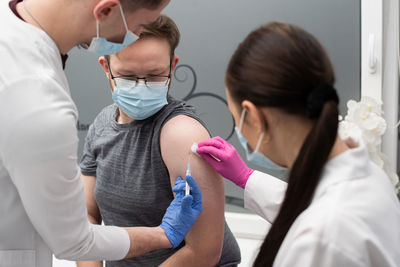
(133, 5)
(282, 66)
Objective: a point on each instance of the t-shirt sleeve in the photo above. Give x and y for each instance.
(88, 162)
(38, 148)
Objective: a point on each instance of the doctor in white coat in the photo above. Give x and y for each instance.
(338, 208)
(42, 200)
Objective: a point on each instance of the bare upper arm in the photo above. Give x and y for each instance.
(177, 137)
(89, 182)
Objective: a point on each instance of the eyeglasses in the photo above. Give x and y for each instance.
(152, 81)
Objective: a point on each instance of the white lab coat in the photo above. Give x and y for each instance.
(42, 204)
(353, 220)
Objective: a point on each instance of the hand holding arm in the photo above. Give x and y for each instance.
(183, 211)
(231, 166)
(176, 223)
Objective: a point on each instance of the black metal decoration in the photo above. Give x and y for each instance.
(192, 94)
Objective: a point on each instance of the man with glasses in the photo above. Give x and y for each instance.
(137, 147)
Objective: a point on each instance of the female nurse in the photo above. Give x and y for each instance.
(338, 208)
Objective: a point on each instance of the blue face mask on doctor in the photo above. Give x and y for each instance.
(101, 46)
(255, 156)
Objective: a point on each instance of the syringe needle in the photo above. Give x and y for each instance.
(188, 173)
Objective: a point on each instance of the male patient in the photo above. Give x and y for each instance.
(137, 147)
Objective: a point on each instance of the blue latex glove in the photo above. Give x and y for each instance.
(182, 212)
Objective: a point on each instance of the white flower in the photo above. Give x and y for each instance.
(367, 115)
(372, 123)
(364, 124)
(351, 107)
(373, 105)
(361, 110)
(349, 129)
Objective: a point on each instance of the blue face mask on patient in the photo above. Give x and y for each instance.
(255, 156)
(101, 46)
(141, 101)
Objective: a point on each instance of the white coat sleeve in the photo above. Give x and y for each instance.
(264, 194)
(38, 146)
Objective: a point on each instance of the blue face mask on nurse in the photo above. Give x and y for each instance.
(255, 156)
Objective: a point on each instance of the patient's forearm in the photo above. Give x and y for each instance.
(89, 264)
(146, 239)
(187, 256)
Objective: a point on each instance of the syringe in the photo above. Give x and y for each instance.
(188, 173)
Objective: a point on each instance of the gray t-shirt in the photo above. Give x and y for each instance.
(132, 182)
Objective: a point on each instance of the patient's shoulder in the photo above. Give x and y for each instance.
(177, 137)
(182, 126)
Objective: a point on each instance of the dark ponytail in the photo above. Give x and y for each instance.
(303, 180)
(280, 65)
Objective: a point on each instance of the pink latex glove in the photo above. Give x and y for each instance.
(231, 165)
